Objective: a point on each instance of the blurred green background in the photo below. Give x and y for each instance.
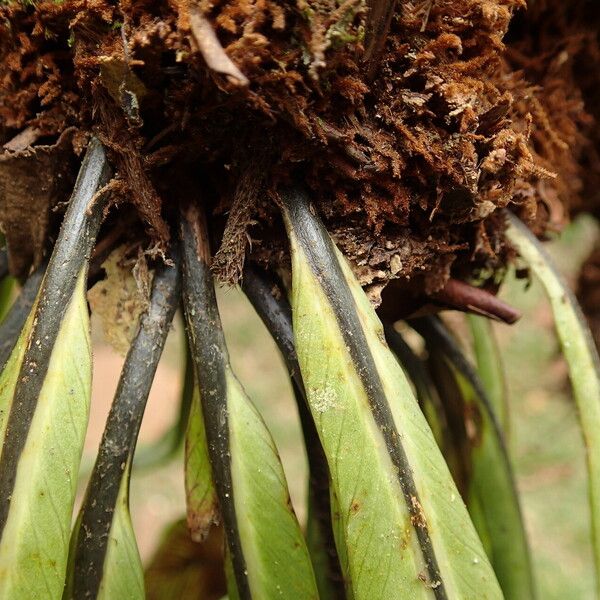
(545, 444)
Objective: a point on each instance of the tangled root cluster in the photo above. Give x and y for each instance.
(410, 142)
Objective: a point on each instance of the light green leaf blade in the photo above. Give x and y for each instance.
(407, 532)
(490, 368)
(124, 574)
(7, 282)
(34, 543)
(7, 286)
(270, 534)
(10, 373)
(491, 493)
(201, 497)
(265, 544)
(47, 404)
(12, 326)
(268, 297)
(581, 355)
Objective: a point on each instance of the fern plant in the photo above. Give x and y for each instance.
(419, 489)
(386, 161)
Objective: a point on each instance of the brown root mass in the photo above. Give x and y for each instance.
(555, 48)
(408, 164)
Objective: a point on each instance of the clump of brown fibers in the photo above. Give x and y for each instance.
(410, 138)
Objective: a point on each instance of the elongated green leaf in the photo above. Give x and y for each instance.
(104, 561)
(46, 397)
(267, 297)
(201, 497)
(405, 529)
(31, 565)
(12, 326)
(10, 372)
(268, 553)
(490, 492)
(581, 356)
(122, 575)
(490, 368)
(337, 525)
(7, 284)
(274, 549)
(7, 287)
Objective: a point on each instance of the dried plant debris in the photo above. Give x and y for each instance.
(408, 161)
(33, 180)
(120, 298)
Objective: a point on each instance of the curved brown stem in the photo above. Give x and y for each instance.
(467, 298)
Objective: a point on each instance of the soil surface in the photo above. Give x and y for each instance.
(411, 133)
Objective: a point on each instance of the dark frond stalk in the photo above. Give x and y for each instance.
(71, 255)
(121, 432)
(207, 343)
(417, 372)
(245, 468)
(267, 298)
(439, 340)
(3, 263)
